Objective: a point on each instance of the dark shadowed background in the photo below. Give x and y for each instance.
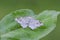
(7, 6)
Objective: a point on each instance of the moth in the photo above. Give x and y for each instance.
(28, 22)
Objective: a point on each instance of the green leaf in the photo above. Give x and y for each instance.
(11, 30)
(49, 18)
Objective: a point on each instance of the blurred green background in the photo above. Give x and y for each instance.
(7, 6)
